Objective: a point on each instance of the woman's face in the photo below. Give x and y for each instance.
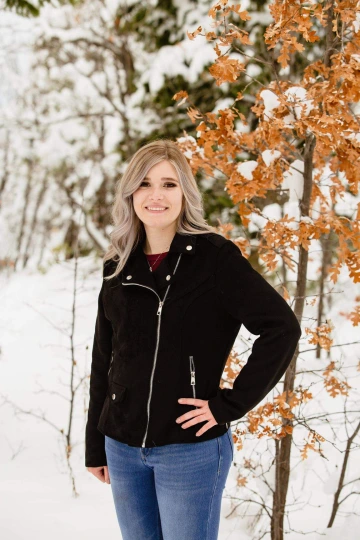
(160, 189)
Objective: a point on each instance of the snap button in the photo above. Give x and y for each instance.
(188, 247)
(128, 277)
(113, 396)
(168, 277)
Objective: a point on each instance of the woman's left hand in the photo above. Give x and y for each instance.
(195, 416)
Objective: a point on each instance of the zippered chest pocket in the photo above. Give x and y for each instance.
(192, 375)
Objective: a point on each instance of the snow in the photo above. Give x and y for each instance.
(35, 318)
(271, 101)
(298, 103)
(293, 180)
(246, 168)
(253, 70)
(170, 60)
(222, 104)
(270, 155)
(296, 99)
(356, 23)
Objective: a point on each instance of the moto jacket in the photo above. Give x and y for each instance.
(167, 334)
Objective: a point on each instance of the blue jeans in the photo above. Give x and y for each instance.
(169, 492)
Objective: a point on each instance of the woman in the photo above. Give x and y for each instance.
(172, 301)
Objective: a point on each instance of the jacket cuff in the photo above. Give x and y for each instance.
(95, 455)
(222, 409)
(96, 460)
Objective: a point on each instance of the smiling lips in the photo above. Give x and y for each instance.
(155, 209)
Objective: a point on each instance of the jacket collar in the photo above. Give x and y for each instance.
(181, 243)
(137, 270)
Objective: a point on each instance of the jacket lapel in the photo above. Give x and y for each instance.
(137, 269)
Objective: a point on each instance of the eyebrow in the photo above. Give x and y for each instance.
(164, 178)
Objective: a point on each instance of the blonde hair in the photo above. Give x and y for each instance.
(128, 228)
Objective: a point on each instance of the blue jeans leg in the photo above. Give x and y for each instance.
(170, 492)
(133, 489)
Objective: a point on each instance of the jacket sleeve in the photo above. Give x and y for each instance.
(251, 300)
(101, 356)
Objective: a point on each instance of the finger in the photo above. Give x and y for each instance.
(195, 420)
(107, 476)
(203, 418)
(192, 401)
(99, 473)
(204, 428)
(189, 415)
(102, 477)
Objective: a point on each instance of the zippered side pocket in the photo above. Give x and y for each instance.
(192, 375)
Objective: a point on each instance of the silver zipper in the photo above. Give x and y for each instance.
(112, 359)
(192, 375)
(158, 313)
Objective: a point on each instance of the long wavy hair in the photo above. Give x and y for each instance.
(128, 228)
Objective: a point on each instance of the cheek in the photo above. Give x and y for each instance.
(177, 199)
(137, 201)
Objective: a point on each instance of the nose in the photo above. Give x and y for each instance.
(156, 194)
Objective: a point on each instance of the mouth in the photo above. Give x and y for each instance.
(156, 209)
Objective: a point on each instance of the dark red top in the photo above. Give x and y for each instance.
(152, 258)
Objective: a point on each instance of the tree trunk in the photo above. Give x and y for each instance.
(283, 448)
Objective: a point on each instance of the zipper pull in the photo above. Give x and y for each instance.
(159, 308)
(192, 377)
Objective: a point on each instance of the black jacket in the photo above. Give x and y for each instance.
(147, 355)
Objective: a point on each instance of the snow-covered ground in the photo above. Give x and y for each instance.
(36, 491)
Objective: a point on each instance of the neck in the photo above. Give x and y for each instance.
(158, 240)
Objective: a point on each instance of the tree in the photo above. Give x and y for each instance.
(97, 84)
(304, 155)
(31, 9)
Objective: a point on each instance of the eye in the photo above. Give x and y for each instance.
(167, 184)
